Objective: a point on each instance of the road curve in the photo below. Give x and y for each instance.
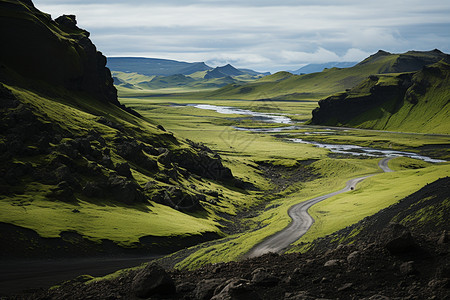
(302, 221)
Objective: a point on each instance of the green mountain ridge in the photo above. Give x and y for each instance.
(411, 102)
(314, 68)
(284, 85)
(210, 79)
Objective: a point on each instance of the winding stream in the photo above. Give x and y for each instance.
(335, 148)
(366, 151)
(257, 116)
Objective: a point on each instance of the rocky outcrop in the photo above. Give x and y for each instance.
(359, 271)
(152, 280)
(397, 102)
(55, 52)
(342, 108)
(398, 239)
(363, 268)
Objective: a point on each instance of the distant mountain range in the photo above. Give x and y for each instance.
(167, 67)
(153, 73)
(154, 66)
(313, 68)
(287, 86)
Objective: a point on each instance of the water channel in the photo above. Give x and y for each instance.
(334, 148)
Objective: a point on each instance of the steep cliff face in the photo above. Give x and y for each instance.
(342, 108)
(46, 54)
(70, 152)
(416, 102)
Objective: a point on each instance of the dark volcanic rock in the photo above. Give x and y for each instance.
(237, 289)
(61, 53)
(363, 269)
(68, 21)
(398, 239)
(444, 238)
(263, 278)
(152, 280)
(123, 169)
(343, 107)
(407, 268)
(7, 99)
(205, 288)
(125, 191)
(94, 189)
(63, 192)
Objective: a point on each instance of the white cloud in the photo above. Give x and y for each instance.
(264, 34)
(354, 54)
(319, 56)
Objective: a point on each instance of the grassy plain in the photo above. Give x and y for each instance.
(243, 151)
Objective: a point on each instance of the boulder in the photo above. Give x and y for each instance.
(125, 191)
(150, 185)
(261, 277)
(237, 289)
(63, 192)
(407, 268)
(398, 239)
(444, 238)
(93, 189)
(107, 162)
(353, 257)
(123, 169)
(152, 280)
(205, 288)
(63, 173)
(332, 263)
(185, 287)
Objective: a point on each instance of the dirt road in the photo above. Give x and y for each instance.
(302, 221)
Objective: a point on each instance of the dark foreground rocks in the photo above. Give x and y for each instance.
(389, 255)
(363, 270)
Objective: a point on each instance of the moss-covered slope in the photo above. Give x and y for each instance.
(72, 159)
(409, 102)
(284, 85)
(424, 212)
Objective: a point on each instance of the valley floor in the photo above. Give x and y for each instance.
(262, 151)
(284, 164)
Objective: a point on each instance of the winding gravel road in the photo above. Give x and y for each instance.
(302, 221)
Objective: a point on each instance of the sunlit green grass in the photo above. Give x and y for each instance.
(121, 224)
(275, 219)
(241, 149)
(370, 196)
(99, 219)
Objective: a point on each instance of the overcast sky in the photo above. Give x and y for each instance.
(265, 35)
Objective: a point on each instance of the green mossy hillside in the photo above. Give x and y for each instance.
(423, 212)
(73, 159)
(107, 175)
(284, 85)
(407, 102)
